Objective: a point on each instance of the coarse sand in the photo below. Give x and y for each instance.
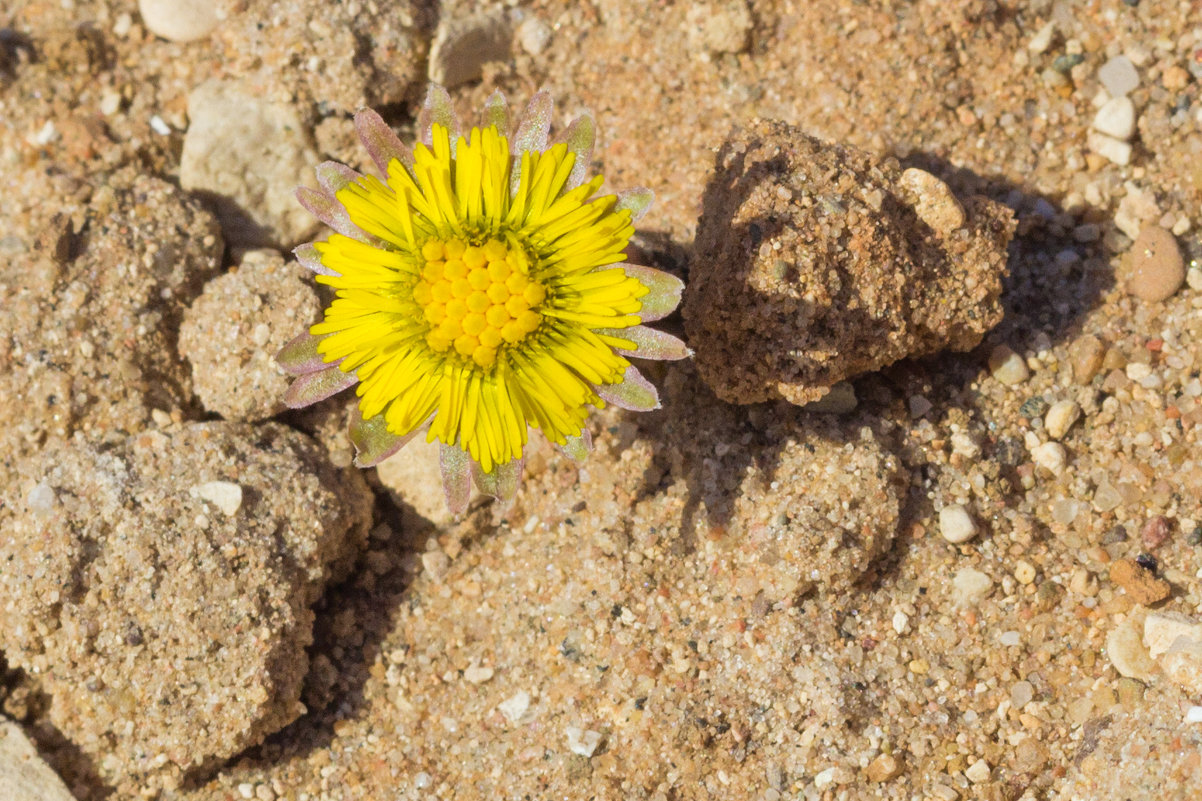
(947, 585)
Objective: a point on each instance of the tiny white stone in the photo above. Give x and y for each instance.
(978, 772)
(534, 35)
(179, 20)
(1060, 418)
(261, 334)
(1108, 147)
(225, 495)
(965, 445)
(46, 135)
(1138, 371)
(1042, 38)
(900, 622)
(956, 524)
(1193, 714)
(1194, 278)
(970, 586)
(436, 564)
(110, 102)
(1162, 629)
(158, 126)
(41, 499)
(1051, 456)
(1116, 118)
(582, 741)
(478, 675)
(514, 707)
(1007, 366)
(1126, 651)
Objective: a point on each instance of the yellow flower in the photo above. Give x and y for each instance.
(480, 291)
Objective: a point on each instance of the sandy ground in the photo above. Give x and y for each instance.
(943, 591)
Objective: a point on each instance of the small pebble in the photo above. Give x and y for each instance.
(514, 707)
(41, 499)
(534, 35)
(1116, 118)
(1155, 532)
(1113, 150)
(179, 20)
(1182, 663)
(1194, 278)
(583, 742)
(1119, 76)
(956, 524)
(1021, 693)
(1193, 714)
(436, 564)
(1007, 366)
(477, 675)
(1085, 355)
(1064, 63)
(965, 445)
(1051, 456)
(1042, 38)
(1024, 572)
(919, 406)
(225, 495)
(1130, 692)
(464, 43)
(1060, 418)
(1155, 268)
(1033, 407)
(935, 205)
(1083, 582)
(1140, 583)
(970, 586)
(1162, 629)
(1125, 649)
(978, 772)
(883, 768)
(900, 622)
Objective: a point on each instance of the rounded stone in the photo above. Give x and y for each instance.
(1116, 118)
(956, 524)
(1155, 268)
(1060, 418)
(1007, 366)
(179, 20)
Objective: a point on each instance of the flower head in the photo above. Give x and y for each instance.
(480, 291)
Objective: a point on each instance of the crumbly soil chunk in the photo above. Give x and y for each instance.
(161, 587)
(815, 263)
(92, 298)
(231, 333)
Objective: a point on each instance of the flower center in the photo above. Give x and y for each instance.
(477, 298)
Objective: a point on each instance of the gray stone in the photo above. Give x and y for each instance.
(23, 774)
(463, 45)
(1119, 76)
(246, 155)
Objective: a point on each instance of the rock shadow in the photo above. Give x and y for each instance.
(1054, 280)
